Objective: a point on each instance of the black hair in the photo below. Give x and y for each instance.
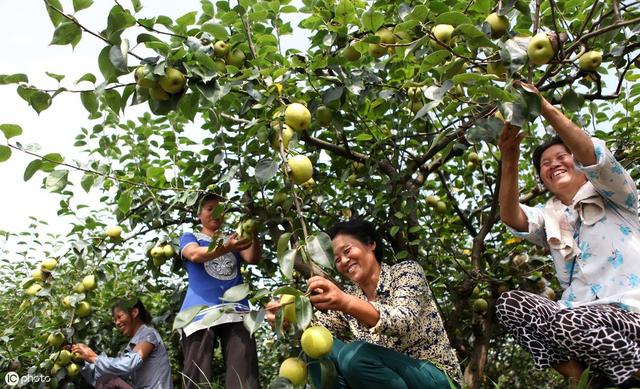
(363, 231)
(208, 196)
(129, 305)
(537, 153)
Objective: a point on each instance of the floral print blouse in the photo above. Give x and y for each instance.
(409, 319)
(606, 268)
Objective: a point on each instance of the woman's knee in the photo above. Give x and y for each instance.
(351, 356)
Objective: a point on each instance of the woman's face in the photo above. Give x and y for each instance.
(207, 218)
(558, 171)
(125, 321)
(354, 259)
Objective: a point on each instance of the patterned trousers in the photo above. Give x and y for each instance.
(603, 336)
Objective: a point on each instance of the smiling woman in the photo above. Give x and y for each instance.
(144, 362)
(590, 225)
(387, 329)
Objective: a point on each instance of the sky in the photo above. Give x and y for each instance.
(25, 33)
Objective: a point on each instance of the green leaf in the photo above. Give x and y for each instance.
(107, 69)
(66, 33)
(87, 77)
(287, 290)
(57, 77)
(287, 261)
(13, 78)
(217, 30)
(265, 170)
(185, 317)
(118, 20)
(79, 5)
(453, 18)
(10, 130)
(87, 182)
(57, 180)
(40, 101)
(320, 249)
(188, 105)
(304, 312)
(5, 153)
(345, 11)
(155, 172)
(124, 202)
(283, 244)
(236, 293)
(572, 101)
(89, 101)
(55, 16)
(137, 5)
(211, 317)
(144, 37)
(187, 19)
(485, 130)
(113, 100)
(254, 320)
(31, 169)
(419, 13)
(372, 20)
(50, 161)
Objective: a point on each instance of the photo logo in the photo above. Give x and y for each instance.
(12, 379)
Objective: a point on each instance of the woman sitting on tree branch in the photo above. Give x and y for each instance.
(590, 225)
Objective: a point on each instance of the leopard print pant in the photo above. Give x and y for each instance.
(605, 337)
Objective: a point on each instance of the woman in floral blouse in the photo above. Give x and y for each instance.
(387, 329)
(590, 225)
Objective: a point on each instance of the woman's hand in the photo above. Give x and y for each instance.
(85, 352)
(271, 308)
(509, 142)
(326, 295)
(236, 244)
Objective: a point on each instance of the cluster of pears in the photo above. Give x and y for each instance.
(434, 202)
(41, 275)
(64, 359)
(316, 342)
(296, 118)
(223, 55)
(160, 254)
(82, 308)
(161, 87)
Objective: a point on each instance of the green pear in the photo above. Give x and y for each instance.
(324, 116)
(220, 49)
(590, 61)
(540, 49)
(443, 33)
(158, 94)
(499, 25)
(297, 116)
(173, 80)
(139, 76)
(301, 168)
(351, 54)
(235, 58)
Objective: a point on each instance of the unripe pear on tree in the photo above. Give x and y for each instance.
(499, 24)
(316, 341)
(540, 49)
(297, 116)
(293, 369)
(590, 61)
(173, 80)
(301, 168)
